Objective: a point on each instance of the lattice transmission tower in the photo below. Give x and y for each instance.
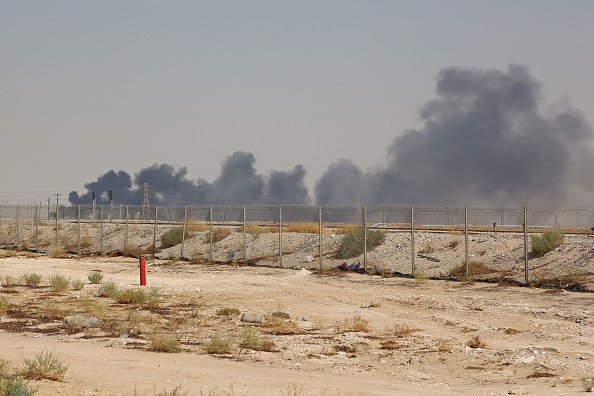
(146, 210)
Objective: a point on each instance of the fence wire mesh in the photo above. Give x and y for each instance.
(481, 242)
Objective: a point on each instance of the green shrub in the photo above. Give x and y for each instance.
(353, 243)
(95, 277)
(172, 237)
(15, 385)
(164, 343)
(547, 241)
(77, 284)
(218, 344)
(59, 283)
(44, 366)
(31, 279)
(108, 289)
(131, 296)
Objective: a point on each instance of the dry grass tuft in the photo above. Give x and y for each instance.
(476, 342)
(280, 326)
(305, 227)
(168, 343)
(44, 366)
(355, 324)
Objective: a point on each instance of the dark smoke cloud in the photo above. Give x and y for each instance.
(485, 139)
(238, 182)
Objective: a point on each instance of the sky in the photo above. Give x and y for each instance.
(297, 101)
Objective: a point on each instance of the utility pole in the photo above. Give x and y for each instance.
(57, 211)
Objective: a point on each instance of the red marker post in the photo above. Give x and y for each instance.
(142, 271)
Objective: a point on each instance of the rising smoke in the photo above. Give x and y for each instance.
(238, 183)
(486, 139)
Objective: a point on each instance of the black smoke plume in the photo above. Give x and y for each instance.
(485, 139)
(238, 183)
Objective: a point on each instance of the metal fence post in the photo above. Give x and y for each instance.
(320, 234)
(364, 238)
(155, 231)
(126, 232)
(17, 227)
(183, 233)
(37, 227)
(525, 245)
(466, 241)
(412, 239)
(78, 232)
(244, 237)
(101, 234)
(280, 236)
(210, 221)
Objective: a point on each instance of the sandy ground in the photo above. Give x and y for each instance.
(415, 337)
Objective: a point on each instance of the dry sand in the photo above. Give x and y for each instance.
(416, 340)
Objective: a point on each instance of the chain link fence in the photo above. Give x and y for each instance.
(462, 242)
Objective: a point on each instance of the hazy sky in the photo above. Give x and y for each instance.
(88, 87)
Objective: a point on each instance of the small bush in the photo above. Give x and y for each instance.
(59, 283)
(219, 344)
(44, 366)
(250, 338)
(218, 234)
(474, 268)
(54, 310)
(15, 385)
(356, 324)
(95, 277)
(31, 279)
(401, 331)
(476, 342)
(107, 289)
(420, 277)
(57, 252)
(353, 243)
(278, 325)
(131, 296)
(228, 311)
(253, 229)
(77, 284)
(177, 391)
(546, 241)
(428, 248)
(167, 343)
(172, 237)
(4, 305)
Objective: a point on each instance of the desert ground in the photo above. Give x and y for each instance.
(292, 331)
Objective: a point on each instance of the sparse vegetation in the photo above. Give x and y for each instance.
(474, 268)
(354, 324)
(305, 227)
(219, 344)
(420, 277)
(77, 284)
(31, 279)
(353, 243)
(59, 283)
(476, 342)
(108, 289)
(278, 325)
(428, 248)
(44, 366)
(218, 234)
(95, 277)
(228, 311)
(253, 229)
(172, 237)
(161, 342)
(4, 305)
(547, 241)
(57, 252)
(251, 338)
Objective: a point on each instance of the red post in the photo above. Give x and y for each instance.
(142, 272)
